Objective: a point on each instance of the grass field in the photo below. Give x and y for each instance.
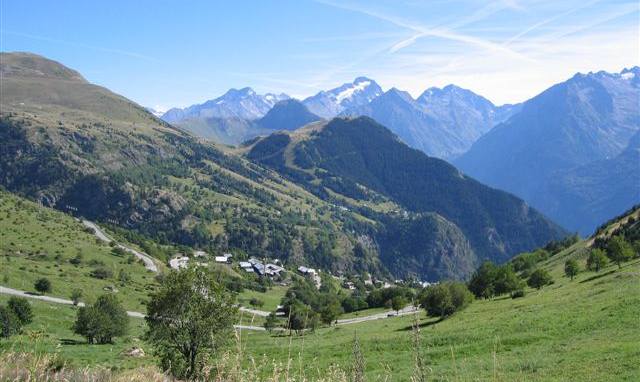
(271, 297)
(51, 333)
(587, 329)
(39, 242)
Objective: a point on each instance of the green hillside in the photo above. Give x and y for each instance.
(73, 145)
(360, 159)
(582, 329)
(38, 242)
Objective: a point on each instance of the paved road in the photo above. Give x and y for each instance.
(254, 311)
(100, 234)
(379, 316)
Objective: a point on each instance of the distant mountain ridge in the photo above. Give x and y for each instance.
(442, 122)
(330, 103)
(242, 103)
(541, 152)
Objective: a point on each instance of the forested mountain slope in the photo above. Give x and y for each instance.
(358, 160)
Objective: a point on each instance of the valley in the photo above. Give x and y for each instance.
(161, 220)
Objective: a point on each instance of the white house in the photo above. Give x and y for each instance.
(246, 266)
(222, 259)
(179, 262)
(200, 254)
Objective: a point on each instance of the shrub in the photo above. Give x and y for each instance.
(571, 268)
(102, 273)
(102, 321)
(256, 302)
(9, 323)
(76, 295)
(619, 250)
(77, 260)
(539, 278)
(445, 299)
(22, 309)
(596, 260)
(517, 293)
(42, 285)
(271, 322)
(206, 313)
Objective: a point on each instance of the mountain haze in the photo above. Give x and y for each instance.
(582, 121)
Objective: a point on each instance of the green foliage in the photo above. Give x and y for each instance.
(384, 297)
(596, 260)
(76, 295)
(22, 309)
(444, 299)
(190, 318)
(9, 323)
(490, 280)
(481, 283)
(271, 322)
(102, 273)
(301, 317)
(42, 285)
(331, 311)
(398, 302)
(571, 268)
(619, 251)
(556, 246)
(539, 278)
(103, 321)
(256, 302)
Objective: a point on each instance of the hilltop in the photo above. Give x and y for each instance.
(440, 222)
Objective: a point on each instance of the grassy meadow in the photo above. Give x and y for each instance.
(40, 242)
(585, 329)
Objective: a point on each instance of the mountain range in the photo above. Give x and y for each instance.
(344, 195)
(442, 122)
(570, 152)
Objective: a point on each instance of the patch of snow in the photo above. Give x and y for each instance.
(628, 75)
(349, 92)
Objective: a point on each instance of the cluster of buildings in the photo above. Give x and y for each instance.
(200, 258)
(254, 265)
(271, 269)
(310, 273)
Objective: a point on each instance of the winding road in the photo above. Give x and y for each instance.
(100, 234)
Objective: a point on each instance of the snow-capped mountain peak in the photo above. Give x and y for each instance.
(332, 102)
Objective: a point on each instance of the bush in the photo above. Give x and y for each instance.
(102, 321)
(9, 323)
(619, 250)
(76, 295)
(43, 285)
(445, 299)
(517, 293)
(102, 273)
(77, 260)
(206, 313)
(22, 309)
(571, 268)
(596, 260)
(271, 322)
(539, 278)
(256, 302)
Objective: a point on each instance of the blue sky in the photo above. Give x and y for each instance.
(170, 53)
